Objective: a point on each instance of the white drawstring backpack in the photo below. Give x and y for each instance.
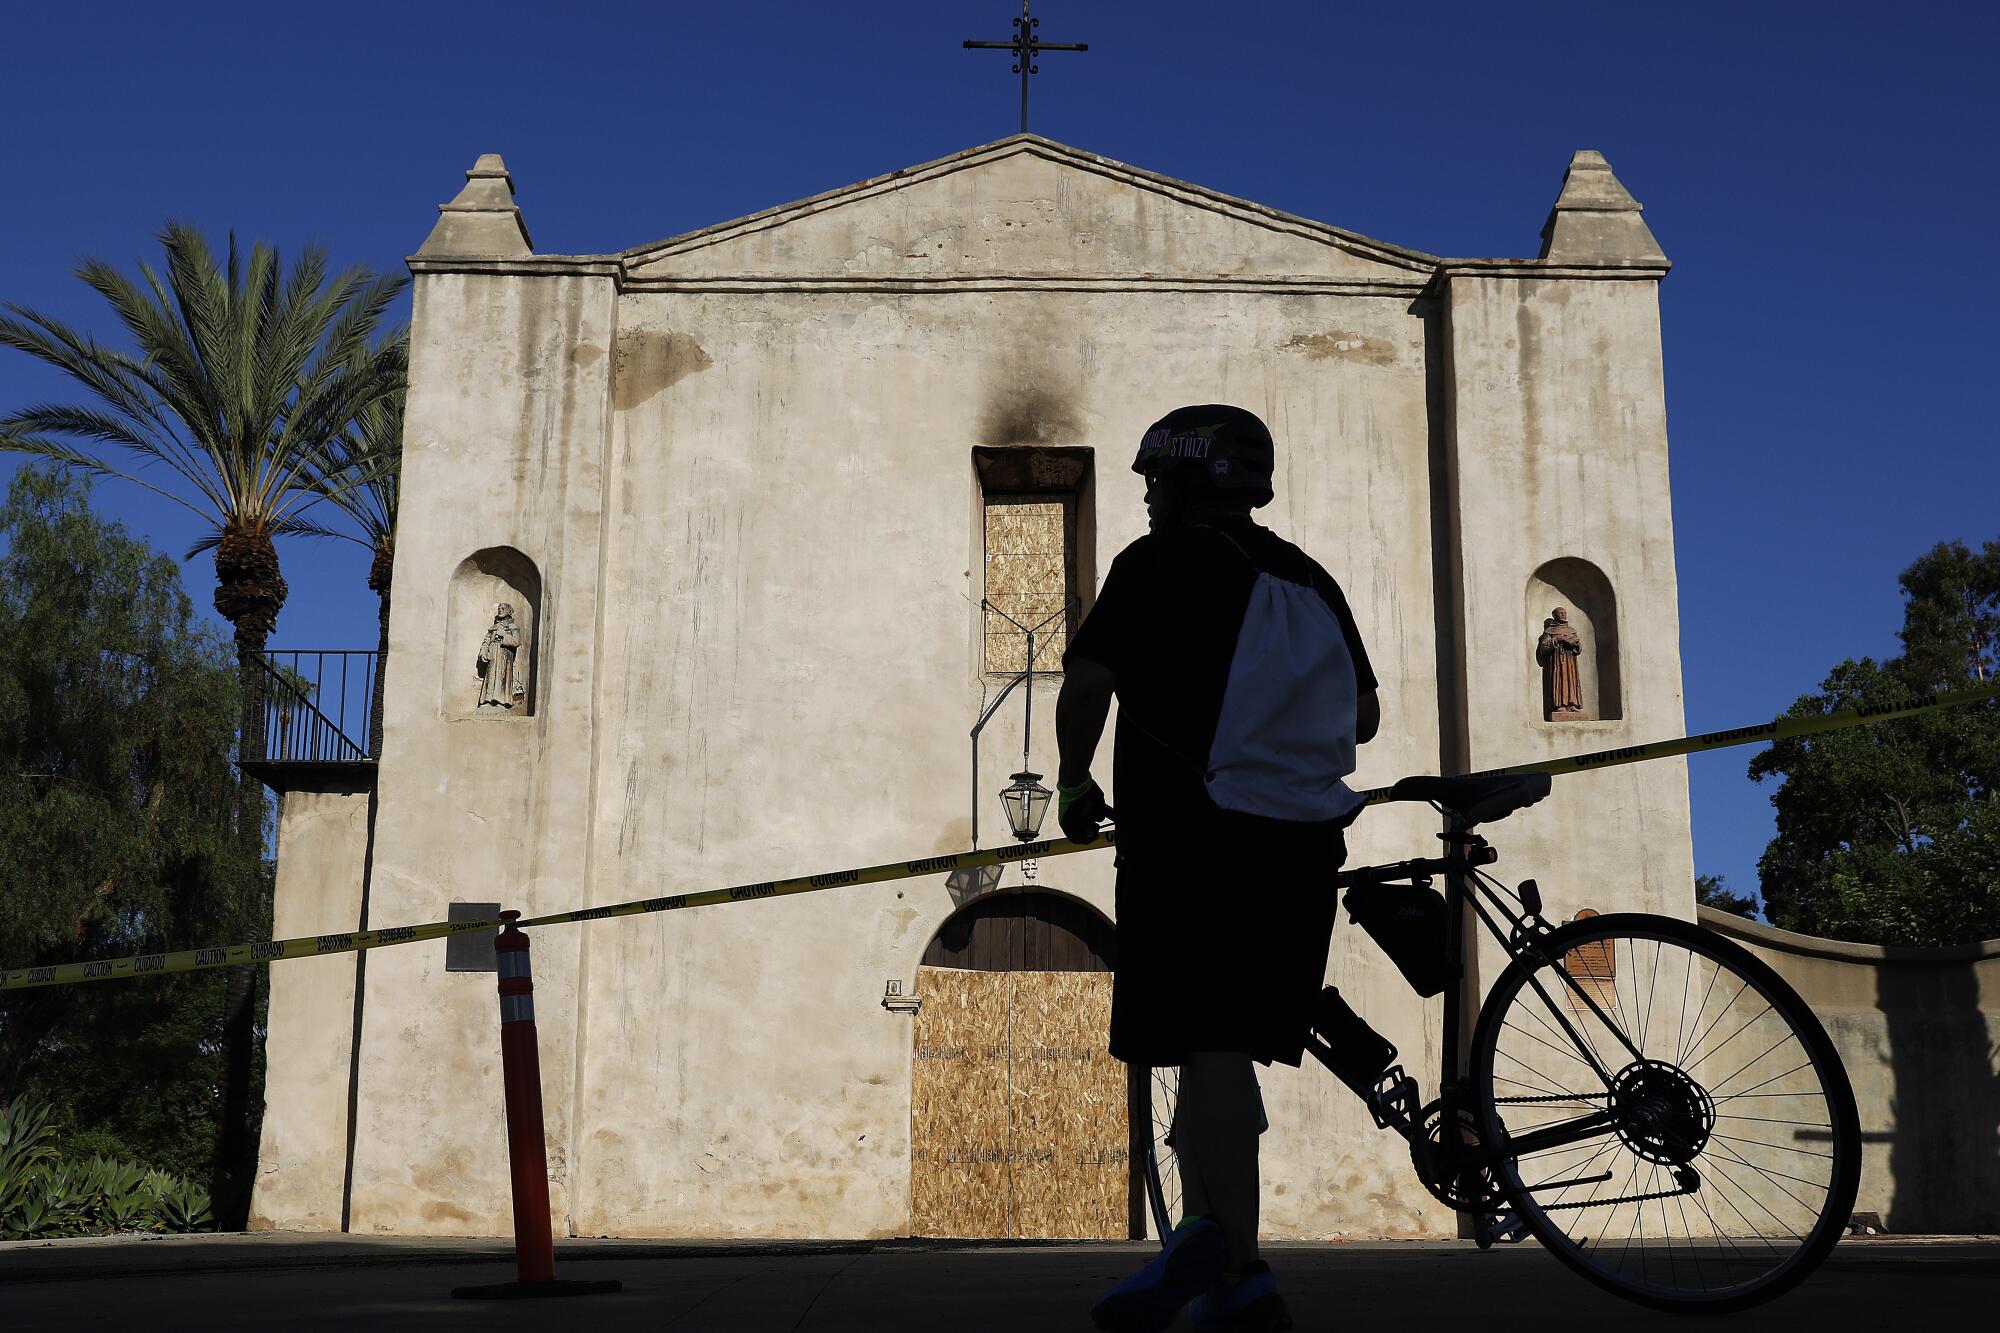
(1285, 737)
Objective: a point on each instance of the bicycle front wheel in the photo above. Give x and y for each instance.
(1670, 1118)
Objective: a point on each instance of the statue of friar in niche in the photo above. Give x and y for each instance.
(1559, 650)
(501, 679)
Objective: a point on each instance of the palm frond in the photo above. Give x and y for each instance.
(56, 451)
(101, 370)
(199, 298)
(145, 427)
(164, 350)
(360, 470)
(87, 422)
(294, 526)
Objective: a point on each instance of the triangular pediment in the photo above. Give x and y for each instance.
(1031, 208)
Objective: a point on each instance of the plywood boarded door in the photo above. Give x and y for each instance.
(1071, 1173)
(958, 1105)
(1019, 1115)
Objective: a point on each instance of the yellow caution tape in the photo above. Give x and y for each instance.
(315, 946)
(1778, 729)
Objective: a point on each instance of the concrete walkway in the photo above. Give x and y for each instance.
(292, 1282)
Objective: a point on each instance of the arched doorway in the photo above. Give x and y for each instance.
(1020, 1123)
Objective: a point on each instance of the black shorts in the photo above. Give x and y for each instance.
(1223, 932)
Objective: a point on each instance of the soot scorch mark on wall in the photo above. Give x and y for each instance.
(1028, 416)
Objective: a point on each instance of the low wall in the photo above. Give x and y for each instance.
(1919, 1032)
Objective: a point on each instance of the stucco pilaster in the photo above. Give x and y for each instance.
(1557, 451)
(506, 432)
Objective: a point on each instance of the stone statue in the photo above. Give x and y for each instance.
(1558, 651)
(502, 682)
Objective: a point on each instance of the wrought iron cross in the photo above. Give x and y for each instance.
(1026, 48)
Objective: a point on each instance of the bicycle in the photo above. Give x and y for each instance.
(1604, 1106)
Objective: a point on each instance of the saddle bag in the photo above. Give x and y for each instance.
(1407, 923)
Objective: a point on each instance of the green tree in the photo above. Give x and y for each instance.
(1951, 621)
(1890, 833)
(241, 378)
(1711, 891)
(116, 717)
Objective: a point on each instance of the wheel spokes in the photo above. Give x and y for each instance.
(1697, 1184)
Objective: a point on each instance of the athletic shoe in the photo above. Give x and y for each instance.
(1252, 1305)
(1151, 1299)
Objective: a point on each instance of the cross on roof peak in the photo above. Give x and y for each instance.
(1026, 46)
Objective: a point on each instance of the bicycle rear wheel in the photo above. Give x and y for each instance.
(1158, 1093)
(1672, 1120)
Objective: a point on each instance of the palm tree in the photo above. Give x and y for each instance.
(241, 380)
(368, 458)
(242, 383)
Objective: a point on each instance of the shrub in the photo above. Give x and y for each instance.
(43, 1196)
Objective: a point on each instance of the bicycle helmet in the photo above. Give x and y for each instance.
(1220, 447)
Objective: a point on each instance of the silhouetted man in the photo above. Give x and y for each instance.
(1242, 689)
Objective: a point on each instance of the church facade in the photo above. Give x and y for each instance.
(709, 560)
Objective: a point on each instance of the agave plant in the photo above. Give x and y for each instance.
(43, 1196)
(184, 1207)
(121, 1201)
(26, 1144)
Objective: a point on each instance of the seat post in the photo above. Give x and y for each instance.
(1462, 983)
(1454, 946)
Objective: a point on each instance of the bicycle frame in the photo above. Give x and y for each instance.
(1480, 1154)
(1393, 1098)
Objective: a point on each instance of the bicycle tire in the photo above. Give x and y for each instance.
(1158, 1167)
(1662, 1113)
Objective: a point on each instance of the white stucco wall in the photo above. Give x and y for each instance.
(309, 1033)
(504, 447)
(1558, 449)
(795, 670)
(740, 462)
(1918, 1033)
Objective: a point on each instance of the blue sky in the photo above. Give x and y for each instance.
(1822, 174)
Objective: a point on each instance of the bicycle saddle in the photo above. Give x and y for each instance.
(1476, 800)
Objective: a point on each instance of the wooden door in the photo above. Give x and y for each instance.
(1019, 1121)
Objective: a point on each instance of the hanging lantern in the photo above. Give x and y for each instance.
(1027, 801)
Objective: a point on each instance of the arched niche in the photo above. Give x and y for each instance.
(1583, 591)
(482, 582)
(1024, 930)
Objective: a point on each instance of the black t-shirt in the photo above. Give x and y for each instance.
(1165, 623)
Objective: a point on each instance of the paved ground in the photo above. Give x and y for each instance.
(289, 1282)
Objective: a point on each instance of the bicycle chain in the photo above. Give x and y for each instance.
(1608, 1203)
(1593, 1203)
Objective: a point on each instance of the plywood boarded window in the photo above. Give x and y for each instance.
(1034, 521)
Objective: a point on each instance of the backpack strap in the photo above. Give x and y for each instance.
(1210, 527)
(1248, 559)
(1199, 768)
